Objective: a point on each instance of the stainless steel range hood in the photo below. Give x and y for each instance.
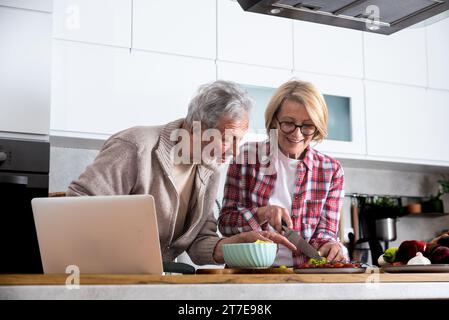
(377, 16)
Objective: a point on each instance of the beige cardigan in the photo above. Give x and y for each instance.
(137, 161)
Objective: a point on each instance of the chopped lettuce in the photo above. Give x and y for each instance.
(390, 254)
(317, 262)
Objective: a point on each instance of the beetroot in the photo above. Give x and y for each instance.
(444, 241)
(429, 249)
(409, 249)
(440, 255)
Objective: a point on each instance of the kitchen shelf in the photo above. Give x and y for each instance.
(425, 215)
(381, 195)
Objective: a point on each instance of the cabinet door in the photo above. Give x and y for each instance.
(25, 70)
(100, 21)
(260, 83)
(407, 123)
(438, 53)
(182, 27)
(38, 5)
(99, 89)
(253, 38)
(400, 57)
(438, 103)
(346, 118)
(328, 50)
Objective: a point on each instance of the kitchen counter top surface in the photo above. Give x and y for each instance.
(230, 287)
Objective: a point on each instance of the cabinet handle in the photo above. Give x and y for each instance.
(22, 180)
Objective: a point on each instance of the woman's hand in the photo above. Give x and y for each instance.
(332, 251)
(274, 216)
(248, 237)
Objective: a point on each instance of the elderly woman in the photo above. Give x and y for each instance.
(305, 189)
(140, 160)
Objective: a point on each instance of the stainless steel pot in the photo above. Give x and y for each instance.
(386, 229)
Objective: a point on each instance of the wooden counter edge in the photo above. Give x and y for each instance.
(116, 279)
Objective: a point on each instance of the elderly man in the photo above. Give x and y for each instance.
(146, 160)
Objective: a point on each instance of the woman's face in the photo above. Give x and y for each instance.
(293, 144)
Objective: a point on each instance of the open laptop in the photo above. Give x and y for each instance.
(98, 234)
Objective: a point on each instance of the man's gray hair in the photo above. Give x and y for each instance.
(217, 99)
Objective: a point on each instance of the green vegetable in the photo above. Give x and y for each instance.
(261, 241)
(317, 262)
(282, 267)
(385, 202)
(390, 254)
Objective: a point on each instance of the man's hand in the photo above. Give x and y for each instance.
(251, 236)
(274, 216)
(332, 251)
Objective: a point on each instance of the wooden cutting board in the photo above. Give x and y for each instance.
(245, 271)
(141, 279)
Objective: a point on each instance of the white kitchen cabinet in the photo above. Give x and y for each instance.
(181, 27)
(252, 75)
(399, 58)
(25, 70)
(327, 49)
(352, 90)
(407, 123)
(100, 21)
(438, 103)
(38, 5)
(253, 38)
(438, 53)
(103, 90)
(260, 83)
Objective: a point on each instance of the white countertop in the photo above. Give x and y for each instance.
(272, 291)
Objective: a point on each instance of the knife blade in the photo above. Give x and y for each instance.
(302, 246)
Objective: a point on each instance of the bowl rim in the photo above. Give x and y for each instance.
(248, 243)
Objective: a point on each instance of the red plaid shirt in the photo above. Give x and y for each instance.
(316, 202)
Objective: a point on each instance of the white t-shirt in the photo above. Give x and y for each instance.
(282, 196)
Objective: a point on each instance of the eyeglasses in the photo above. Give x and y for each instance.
(288, 127)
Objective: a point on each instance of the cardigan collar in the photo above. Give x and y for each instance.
(166, 147)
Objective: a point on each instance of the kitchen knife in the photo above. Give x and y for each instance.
(302, 246)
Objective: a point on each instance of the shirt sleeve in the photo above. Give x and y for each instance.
(237, 215)
(114, 171)
(330, 215)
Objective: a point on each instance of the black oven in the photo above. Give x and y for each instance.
(24, 167)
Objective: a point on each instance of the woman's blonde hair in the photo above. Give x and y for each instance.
(307, 95)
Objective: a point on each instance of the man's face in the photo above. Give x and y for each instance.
(232, 132)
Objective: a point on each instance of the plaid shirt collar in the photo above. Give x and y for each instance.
(309, 157)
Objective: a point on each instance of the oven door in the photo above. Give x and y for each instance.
(19, 247)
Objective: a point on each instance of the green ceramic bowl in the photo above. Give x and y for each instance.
(249, 255)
